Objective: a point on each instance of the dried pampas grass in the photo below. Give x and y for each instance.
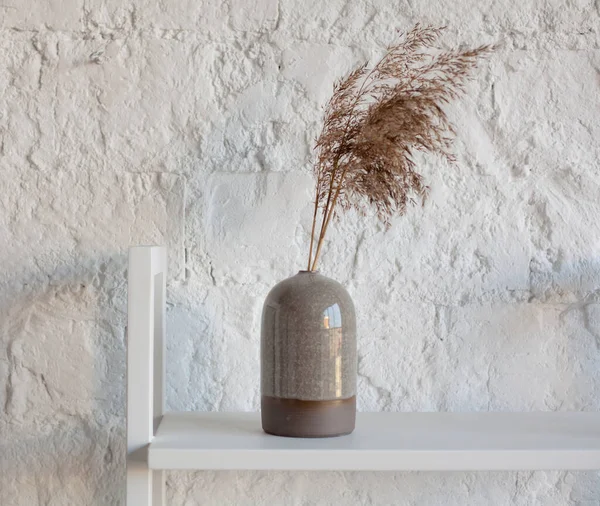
(374, 122)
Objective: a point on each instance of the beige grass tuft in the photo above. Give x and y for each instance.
(374, 122)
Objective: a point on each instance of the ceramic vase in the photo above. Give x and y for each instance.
(308, 358)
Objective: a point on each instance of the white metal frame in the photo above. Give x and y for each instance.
(147, 277)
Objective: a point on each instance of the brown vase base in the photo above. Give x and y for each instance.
(297, 418)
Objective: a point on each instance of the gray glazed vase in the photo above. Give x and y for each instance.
(308, 358)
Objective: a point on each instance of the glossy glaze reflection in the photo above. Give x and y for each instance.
(308, 342)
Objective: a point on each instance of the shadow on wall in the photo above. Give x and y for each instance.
(577, 355)
(63, 381)
(63, 385)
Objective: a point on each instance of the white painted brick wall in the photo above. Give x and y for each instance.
(190, 123)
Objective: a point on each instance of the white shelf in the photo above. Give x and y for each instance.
(381, 441)
(384, 442)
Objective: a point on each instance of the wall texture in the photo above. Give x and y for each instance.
(190, 123)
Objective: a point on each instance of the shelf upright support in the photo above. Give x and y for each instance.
(146, 281)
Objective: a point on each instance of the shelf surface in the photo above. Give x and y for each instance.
(384, 441)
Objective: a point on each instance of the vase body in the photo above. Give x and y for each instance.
(308, 358)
